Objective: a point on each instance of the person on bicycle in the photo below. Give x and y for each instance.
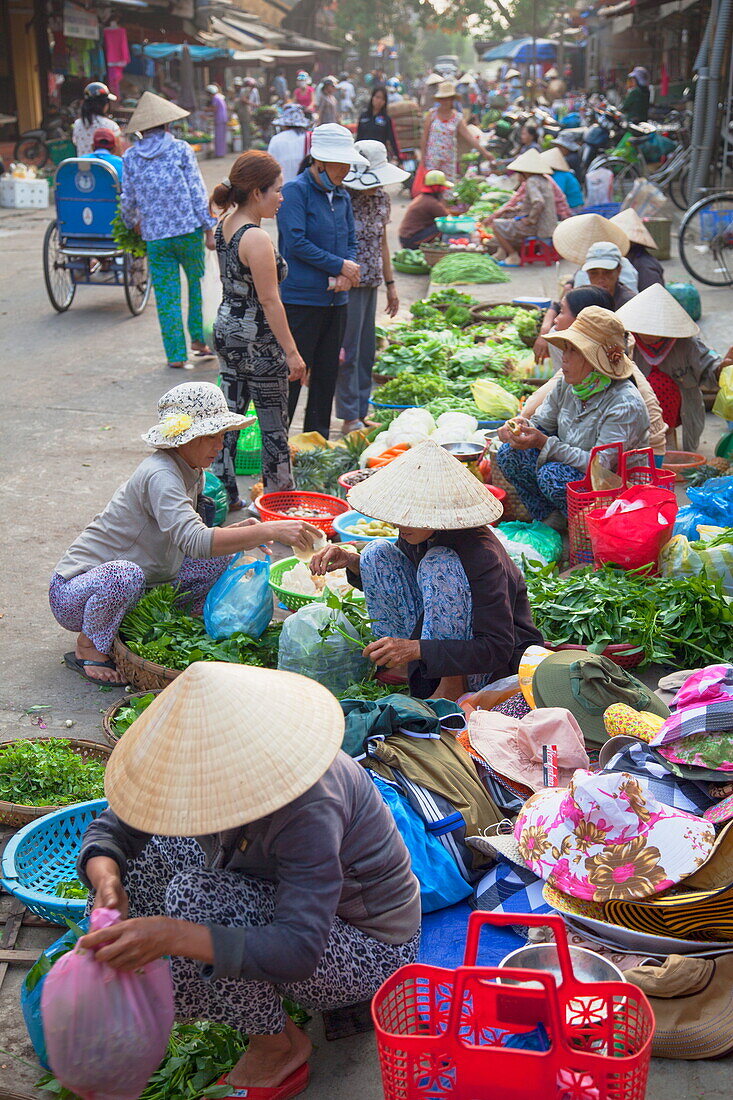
(94, 113)
(636, 104)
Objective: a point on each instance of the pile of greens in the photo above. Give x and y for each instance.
(415, 352)
(126, 715)
(455, 404)
(447, 296)
(683, 622)
(129, 240)
(48, 773)
(159, 629)
(71, 888)
(371, 690)
(409, 388)
(468, 267)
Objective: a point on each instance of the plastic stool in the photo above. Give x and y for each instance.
(538, 250)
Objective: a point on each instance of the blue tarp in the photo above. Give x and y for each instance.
(159, 51)
(520, 50)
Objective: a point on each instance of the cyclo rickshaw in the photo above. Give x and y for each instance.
(79, 247)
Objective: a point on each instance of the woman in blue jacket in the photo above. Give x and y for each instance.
(318, 242)
(563, 175)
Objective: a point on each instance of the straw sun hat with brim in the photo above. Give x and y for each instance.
(445, 90)
(634, 228)
(152, 111)
(191, 410)
(574, 236)
(655, 312)
(433, 79)
(223, 745)
(600, 337)
(378, 173)
(426, 487)
(334, 144)
(554, 160)
(529, 163)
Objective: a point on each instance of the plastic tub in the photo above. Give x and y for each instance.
(676, 461)
(341, 523)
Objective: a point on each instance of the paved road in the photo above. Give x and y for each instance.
(79, 388)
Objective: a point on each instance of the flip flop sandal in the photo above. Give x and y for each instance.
(76, 664)
(293, 1085)
(205, 354)
(237, 505)
(503, 263)
(181, 366)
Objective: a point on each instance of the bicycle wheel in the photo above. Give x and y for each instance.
(624, 176)
(31, 151)
(706, 240)
(137, 283)
(59, 282)
(678, 188)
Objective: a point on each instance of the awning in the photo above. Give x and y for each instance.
(268, 57)
(523, 51)
(297, 41)
(249, 34)
(160, 51)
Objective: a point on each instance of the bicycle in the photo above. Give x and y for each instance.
(671, 176)
(706, 239)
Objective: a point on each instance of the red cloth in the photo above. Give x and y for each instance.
(116, 49)
(664, 81)
(668, 395)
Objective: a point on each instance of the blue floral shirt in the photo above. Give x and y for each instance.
(162, 188)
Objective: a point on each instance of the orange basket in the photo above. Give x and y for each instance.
(319, 507)
(456, 1034)
(675, 462)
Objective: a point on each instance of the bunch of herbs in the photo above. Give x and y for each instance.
(48, 773)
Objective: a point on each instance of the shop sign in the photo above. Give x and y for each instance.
(80, 23)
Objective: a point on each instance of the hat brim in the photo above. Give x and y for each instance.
(605, 263)
(590, 349)
(224, 422)
(387, 174)
(502, 845)
(347, 155)
(574, 236)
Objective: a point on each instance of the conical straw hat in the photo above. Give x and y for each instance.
(655, 312)
(554, 160)
(152, 110)
(530, 162)
(573, 237)
(224, 744)
(426, 487)
(634, 228)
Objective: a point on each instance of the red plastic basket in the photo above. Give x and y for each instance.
(320, 507)
(627, 656)
(442, 1034)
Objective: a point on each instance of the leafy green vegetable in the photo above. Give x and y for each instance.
(371, 690)
(125, 716)
(468, 267)
(48, 773)
(72, 888)
(458, 315)
(469, 189)
(455, 404)
(411, 389)
(413, 353)
(129, 240)
(447, 296)
(724, 538)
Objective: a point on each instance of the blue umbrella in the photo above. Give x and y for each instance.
(523, 51)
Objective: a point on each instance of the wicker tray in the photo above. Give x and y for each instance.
(143, 675)
(16, 815)
(109, 714)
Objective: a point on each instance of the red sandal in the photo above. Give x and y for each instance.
(293, 1085)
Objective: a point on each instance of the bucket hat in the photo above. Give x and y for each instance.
(554, 160)
(378, 172)
(699, 732)
(223, 745)
(151, 111)
(687, 914)
(587, 684)
(530, 163)
(720, 811)
(654, 312)
(573, 237)
(499, 840)
(426, 487)
(435, 178)
(634, 228)
(531, 658)
(513, 746)
(624, 754)
(293, 117)
(606, 836)
(445, 90)
(334, 144)
(565, 141)
(601, 338)
(189, 411)
(622, 720)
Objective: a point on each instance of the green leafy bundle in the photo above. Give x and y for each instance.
(129, 240)
(411, 389)
(447, 296)
(71, 888)
(125, 716)
(468, 267)
(371, 690)
(469, 189)
(48, 773)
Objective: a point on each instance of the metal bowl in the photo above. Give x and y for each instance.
(464, 452)
(587, 965)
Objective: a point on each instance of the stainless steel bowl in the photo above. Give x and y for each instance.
(464, 452)
(587, 965)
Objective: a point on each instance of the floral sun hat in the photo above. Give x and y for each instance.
(700, 729)
(191, 410)
(607, 837)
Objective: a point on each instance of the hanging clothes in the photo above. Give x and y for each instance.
(117, 52)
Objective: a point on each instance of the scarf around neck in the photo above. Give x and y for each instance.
(656, 351)
(594, 383)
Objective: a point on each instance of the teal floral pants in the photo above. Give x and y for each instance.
(166, 258)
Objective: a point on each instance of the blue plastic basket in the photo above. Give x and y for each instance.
(713, 222)
(347, 520)
(43, 854)
(605, 209)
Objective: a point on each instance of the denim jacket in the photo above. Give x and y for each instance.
(162, 188)
(315, 237)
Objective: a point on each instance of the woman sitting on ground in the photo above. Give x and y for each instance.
(418, 224)
(256, 855)
(534, 216)
(448, 607)
(150, 532)
(594, 403)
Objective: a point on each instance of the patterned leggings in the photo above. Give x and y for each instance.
(542, 489)
(96, 601)
(166, 258)
(169, 877)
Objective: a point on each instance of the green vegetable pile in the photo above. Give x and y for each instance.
(159, 629)
(71, 889)
(129, 240)
(125, 716)
(371, 690)
(683, 622)
(412, 257)
(455, 404)
(468, 267)
(469, 189)
(447, 296)
(411, 389)
(413, 353)
(48, 773)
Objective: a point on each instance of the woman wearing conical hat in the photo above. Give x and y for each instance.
(448, 606)
(535, 216)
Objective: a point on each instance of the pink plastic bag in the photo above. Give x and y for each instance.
(106, 1030)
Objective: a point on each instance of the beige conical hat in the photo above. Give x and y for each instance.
(530, 162)
(426, 487)
(655, 312)
(573, 237)
(224, 744)
(152, 110)
(634, 228)
(554, 160)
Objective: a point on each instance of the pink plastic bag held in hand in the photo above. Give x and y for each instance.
(106, 1030)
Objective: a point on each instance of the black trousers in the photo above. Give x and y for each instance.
(318, 332)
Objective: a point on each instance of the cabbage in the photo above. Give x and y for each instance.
(467, 424)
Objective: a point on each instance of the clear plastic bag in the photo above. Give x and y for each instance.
(211, 294)
(679, 559)
(308, 646)
(240, 600)
(106, 1030)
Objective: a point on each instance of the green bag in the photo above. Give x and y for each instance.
(214, 488)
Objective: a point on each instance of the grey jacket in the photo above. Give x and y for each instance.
(151, 520)
(333, 852)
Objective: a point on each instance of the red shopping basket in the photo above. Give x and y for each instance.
(445, 1034)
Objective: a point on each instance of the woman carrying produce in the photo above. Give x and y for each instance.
(318, 242)
(372, 208)
(150, 532)
(447, 604)
(443, 126)
(594, 403)
(251, 333)
(418, 224)
(375, 124)
(94, 113)
(535, 216)
(258, 856)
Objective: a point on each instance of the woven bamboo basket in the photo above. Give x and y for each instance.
(143, 675)
(481, 312)
(514, 510)
(433, 253)
(109, 714)
(16, 815)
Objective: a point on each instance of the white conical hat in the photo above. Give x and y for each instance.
(634, 228)
(554, 160)
(530, 162)
(151, 111)
(426, 487)
(573, 237)
(655, 312)
(224, 744)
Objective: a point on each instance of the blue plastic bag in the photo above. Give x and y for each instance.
(240, 600)
(711, 505)
(30, 992)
